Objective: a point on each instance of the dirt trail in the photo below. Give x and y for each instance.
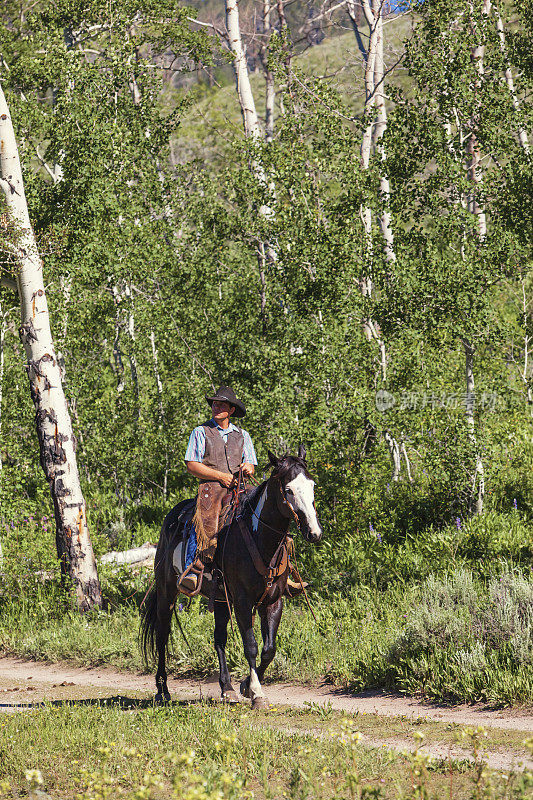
(24, 683)
(44, 680)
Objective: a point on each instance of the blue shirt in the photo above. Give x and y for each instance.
(196, 447)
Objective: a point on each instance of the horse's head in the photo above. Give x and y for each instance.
(297, 492)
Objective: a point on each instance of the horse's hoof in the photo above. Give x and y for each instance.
(245, 688)
(162, 698)
(231, 697)
(260, 703)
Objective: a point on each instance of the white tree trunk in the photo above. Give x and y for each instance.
(117, 353)
(370, 97)
(270, 89)
(476, 178)
(385, 221)
(366, 146)
(407, 462)
(375, 125)
(478, 482)
(242, 78)
(54, 428)
(162, 420)
(131, 348)
(394, 450)
(354, 7)
(522, 133)
(474, 157)
(134, 556)
(252, 130)
(269, 106)
(125, 321)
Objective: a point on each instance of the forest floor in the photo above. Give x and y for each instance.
(386, 721)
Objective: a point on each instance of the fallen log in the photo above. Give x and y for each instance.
(145, 552)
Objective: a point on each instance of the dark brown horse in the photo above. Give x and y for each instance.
(266, 513)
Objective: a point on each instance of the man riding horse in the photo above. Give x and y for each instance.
(216, 453)
(252, 564)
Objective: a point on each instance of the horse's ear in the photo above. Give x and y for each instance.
(272, 458)
(302, 452)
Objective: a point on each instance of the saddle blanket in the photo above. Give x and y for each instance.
(180, 551)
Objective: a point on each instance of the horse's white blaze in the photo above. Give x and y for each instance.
(303, 498)
(256, 690)
(258, 509)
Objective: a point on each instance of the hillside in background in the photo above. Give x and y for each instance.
(214, 119)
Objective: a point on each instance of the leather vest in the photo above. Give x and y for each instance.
(218, 454)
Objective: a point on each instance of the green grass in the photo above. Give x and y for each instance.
(314, 716)
(444, 614)
(451, 638)
(208, 752)
(306, 650)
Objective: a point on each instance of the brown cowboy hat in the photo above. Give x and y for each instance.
(227, 394)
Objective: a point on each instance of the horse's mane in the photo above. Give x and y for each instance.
(251, 500)
(286, 464)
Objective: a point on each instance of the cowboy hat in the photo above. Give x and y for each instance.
(227, 395)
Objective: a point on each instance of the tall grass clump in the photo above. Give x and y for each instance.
(468, 642)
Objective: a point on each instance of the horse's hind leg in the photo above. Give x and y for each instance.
(164, 617)
(251, 687)
(270, 618)
(221, 637)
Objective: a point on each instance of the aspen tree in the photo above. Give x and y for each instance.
(509, 79)
(270, 89)
(374, 129)
(54, 429)
(475, 175)
(266, 253)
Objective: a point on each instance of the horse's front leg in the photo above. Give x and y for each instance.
(270, 619)
(251, 686)
(221, 637)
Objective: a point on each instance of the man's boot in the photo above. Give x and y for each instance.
(294, 587)
(188, 582)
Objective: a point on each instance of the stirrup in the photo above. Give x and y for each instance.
(293, 589)
(295, 584)
(196, 569)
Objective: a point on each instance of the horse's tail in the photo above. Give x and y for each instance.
(148, 625)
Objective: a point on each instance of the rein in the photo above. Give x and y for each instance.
(277, 565)
(286, 502)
